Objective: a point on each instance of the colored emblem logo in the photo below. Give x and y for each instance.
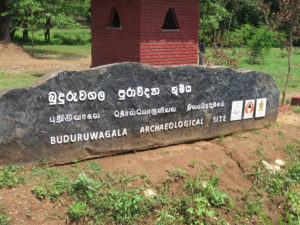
(249, 109)
(261, 105)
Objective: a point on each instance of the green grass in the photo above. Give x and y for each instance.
(92, 194)
(296, 110)
(4, 218)
(59, 36)
(17, 80)
(64, 50)
(9, 177)
(72, 43)
(67, 42)
(115, 197)
(276, 65)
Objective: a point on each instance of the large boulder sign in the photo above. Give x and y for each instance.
(73, 115)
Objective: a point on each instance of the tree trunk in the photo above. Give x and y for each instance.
(12, 33)
(47, 34)
(47, 30)
(25, 36)
(32, 42)
(5, 22)
(5, 34)
(288, 76)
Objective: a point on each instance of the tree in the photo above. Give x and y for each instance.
(286, 18)
(60, 12)
(289, 20)
(42, 14)
(5, 20)
(212, 13)
(26, 10)
(218, 17)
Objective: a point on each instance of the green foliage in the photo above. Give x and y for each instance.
(9, 177)
(60, 185)
(196, 209)
(176, 174)
(212, 13)
(100, 196)
(72, 35)
(4, 218)
(122, 207)
(281, 134)
(252, 207)
(260, 43)
(192, 163)
(293, 207)
(77, 211)
(44, 14)
(279, 182)
(196, 203)
(255, 131)
(84, 187)
(95, 167)
(58, 188)
(260, 152)
(164, 152)
(296, 110)
(17, 80)
(293, 149)
(275, 65)
(40, 192)
(239, 37)
(165, 217)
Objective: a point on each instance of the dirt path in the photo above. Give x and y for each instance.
(13, 59)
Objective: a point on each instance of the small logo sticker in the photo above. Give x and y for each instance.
(236, 110)
(249, 109)
(261, 105)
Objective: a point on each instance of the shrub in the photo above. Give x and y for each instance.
(4, 218)
(122, 207)
(238, 37)
(260, 43)
(9, 177)
(77, 211)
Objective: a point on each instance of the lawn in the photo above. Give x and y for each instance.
(276, 64)
(59, 36)
(60, 49)
(17, 80)
(68, 42)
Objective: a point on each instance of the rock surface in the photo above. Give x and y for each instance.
(75, 115)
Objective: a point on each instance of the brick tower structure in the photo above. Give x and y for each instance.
(155, 32)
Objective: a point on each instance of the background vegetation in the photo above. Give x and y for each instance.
(254, 26)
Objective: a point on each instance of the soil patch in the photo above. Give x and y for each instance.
(14, 59)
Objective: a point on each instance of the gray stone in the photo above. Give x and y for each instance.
(129, 106)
